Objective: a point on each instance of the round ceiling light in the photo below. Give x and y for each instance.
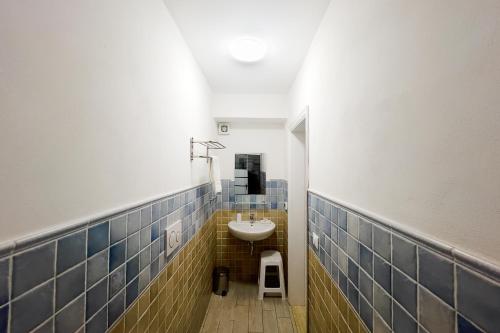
(248, 49)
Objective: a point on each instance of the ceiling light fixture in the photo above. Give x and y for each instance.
(248, 49)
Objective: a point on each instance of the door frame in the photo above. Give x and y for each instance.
(300, 124)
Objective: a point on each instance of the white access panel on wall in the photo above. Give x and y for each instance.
(173, 237)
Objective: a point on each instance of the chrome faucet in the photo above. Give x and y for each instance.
(252, 218)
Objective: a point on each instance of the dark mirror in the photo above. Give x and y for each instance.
(249, 178)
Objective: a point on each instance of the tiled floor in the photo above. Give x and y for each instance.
(241, 311)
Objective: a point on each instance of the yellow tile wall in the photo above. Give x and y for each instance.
(177, 299)
(235, 253)
(328, 309)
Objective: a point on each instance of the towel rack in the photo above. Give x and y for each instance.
(207, 144)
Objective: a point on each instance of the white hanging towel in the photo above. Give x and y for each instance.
(215, 174)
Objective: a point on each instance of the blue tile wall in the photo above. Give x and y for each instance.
(32, 268)
(83, 279)
(398, 283)
(275, 198)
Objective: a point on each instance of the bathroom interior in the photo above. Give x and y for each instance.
(250, 166)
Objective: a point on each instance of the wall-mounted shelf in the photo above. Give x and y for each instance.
(208, 145)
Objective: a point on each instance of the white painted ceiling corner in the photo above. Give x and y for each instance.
(287, 28)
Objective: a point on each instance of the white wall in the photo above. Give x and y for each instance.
(269, 139)
(404, 115)
(256, 123)
(250, 106)
(98, 100)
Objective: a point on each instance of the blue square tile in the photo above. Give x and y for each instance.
(321, 206)
(366, 259)
(434, 314)
(353, 225)
(365, 232)
(405, 292)
(164, 208)
(353, 272)
(97, 267)
(353, 248)
(97, 297)
(71, 317)
(70, 285)
(146, 216)
(132, 291)
(343, 282)
(328, 264)
(334, 215)
(335, 273)
(402, 322)
(328, 211)
(171, 205)
(334, 252)
(436, 273)
(325, 226)
(71, 250)
(366, 313)
(145, 237)
(46, 327)
(4, 318)
(382, 303)
(155, 231)
(4, 281)
(32, 268)
(33, 308)
(98, 238)
(99, 323)
(366, 286)
(478, 299)
(145, 258)
(154, 268)
(133, 222)
(343, 262)
(334, 233)
(343, 240)
(382, 242)
(133, 245)
(115, 308)
(118, 229)
(353, 296)
(382, 273)
(132, 268)
(116, 255)
(404, 255)
(342, 218)
(155, 213)
(465, 326)
(327, 247)
(144, 279)
(116, 281)
(380, 326)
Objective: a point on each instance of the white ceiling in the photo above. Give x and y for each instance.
(287, 26)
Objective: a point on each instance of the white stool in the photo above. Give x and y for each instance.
(271, 258)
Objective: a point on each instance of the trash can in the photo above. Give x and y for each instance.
(220, 281)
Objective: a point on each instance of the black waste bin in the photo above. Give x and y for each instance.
(220, 281)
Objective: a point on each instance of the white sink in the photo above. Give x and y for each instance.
(251, 232)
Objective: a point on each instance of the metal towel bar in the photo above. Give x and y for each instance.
(208, 144)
